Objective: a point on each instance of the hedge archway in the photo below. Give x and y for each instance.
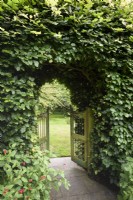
(87, 45)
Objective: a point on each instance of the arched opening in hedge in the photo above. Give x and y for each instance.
(82, 95)
(88, 47)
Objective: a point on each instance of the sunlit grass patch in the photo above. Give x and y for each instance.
(60, 135)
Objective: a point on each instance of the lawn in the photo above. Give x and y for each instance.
(60, 135)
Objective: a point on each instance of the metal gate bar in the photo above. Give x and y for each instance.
(43, 130)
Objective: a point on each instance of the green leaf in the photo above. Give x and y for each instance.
(49, 178)
(36, 63)
(36, 32)
(24, 180)
(23, 129)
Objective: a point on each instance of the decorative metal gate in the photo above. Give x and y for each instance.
(81, 125)
(43, 130)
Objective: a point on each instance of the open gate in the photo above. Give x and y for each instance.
(43, 130)
(81, 125)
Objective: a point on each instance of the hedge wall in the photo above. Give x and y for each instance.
(88, 46)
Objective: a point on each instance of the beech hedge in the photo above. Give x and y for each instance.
(88, 46)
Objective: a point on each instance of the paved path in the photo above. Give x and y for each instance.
(82, 187)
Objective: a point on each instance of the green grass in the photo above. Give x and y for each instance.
(60, 135)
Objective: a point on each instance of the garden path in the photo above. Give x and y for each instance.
(82, 187)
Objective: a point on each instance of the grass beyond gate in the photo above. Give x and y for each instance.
(60, 135)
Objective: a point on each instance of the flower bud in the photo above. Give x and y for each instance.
(42, 178)
(5, 191)
(21, 191)
(4, 151)
(23, 163)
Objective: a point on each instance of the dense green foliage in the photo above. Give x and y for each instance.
(88, 46)
(126, 180)
(27, 174)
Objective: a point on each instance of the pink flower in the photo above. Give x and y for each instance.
(5, 151)
(42, 178)
(23, 163)
(5, 191)
(21, 191)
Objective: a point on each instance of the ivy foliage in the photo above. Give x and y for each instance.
(88, 46)
(126, 180)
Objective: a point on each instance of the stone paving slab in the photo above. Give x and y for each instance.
(82, 187)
